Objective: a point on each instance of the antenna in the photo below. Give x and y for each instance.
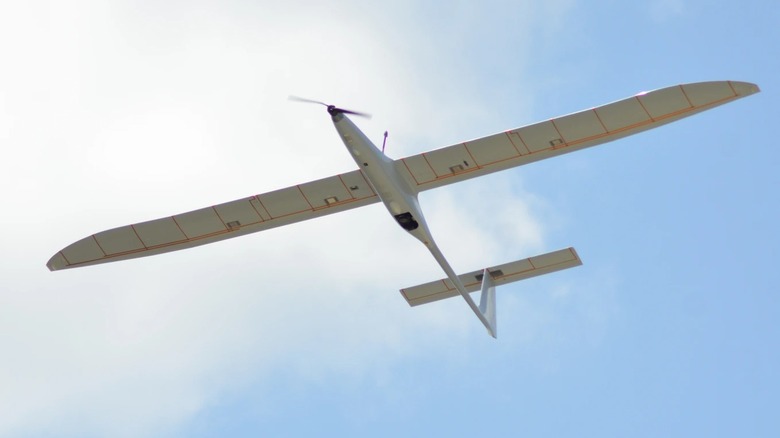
(384, 142)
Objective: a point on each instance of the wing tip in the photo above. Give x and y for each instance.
(745, 88)
(57, 262)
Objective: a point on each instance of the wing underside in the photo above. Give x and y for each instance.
(219, 222)
(422, 172)
(566, 134)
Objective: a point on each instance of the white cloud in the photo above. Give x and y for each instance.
(123, 112)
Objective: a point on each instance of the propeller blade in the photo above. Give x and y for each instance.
(354, 113)
(304, 100)
(332, 109)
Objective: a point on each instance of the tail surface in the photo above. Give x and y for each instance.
(487, 279)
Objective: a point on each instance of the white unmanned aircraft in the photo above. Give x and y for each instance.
(397, 183)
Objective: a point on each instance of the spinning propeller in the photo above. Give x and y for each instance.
(332, 109)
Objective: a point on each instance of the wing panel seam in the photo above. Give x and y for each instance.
(180, 229)
(98, 244)
(132, 226)
(513, 143)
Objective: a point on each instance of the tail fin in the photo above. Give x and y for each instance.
(487, 301)
(487, 279)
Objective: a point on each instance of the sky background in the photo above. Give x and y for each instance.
(115, 112)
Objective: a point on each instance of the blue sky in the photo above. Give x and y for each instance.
(115, 112)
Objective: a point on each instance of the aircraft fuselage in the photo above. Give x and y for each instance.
(395, 193)
(399, 199)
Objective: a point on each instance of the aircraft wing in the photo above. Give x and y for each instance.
(566, 134)
(422, 172)
(219, 222)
